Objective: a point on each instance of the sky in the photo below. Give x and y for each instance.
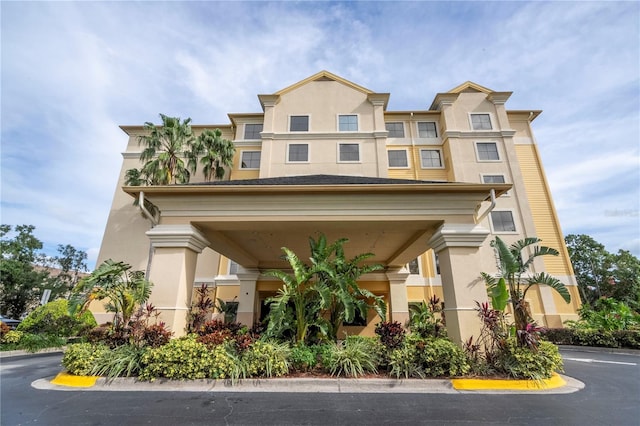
(73, 72)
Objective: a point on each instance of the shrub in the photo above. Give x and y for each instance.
(352, 358)
(628, 338)
(440, 357)
(267, 359)
(54, 319)
(404, 362)
(524, 363)
(185, 358)
(125, 360)
(391, 334)
(156, 335)
(80, 358)
(12, 337)
(303, 357)
(4, 329)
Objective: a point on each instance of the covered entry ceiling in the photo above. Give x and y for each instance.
(250, 221)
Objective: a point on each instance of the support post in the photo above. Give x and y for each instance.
(398, 294)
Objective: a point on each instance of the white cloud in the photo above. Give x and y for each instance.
(73, 71)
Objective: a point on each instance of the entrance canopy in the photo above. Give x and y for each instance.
(249, 221)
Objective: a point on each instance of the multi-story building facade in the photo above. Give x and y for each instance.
(425, 191)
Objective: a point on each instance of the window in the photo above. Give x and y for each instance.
(427, 130)
(250, 160)
(233, 267)
(298, 152)
(397, 158)
(348, 123)
(299, 123)
(503, 221)
(396, 130)
(481, 122)
(493, 179)
(414, 267)
(349, 152)
(431, 158)
(487, 151)
(437, 262)
(252, 131)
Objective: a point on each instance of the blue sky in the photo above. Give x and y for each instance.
(72, 72)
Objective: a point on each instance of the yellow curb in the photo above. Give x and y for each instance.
(489, 384)
(66, 379)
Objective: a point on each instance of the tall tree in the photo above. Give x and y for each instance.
(217, 153)
(71, 262)
(603, 274)
(20, 282)
(165, 148)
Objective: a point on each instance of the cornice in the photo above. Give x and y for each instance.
(458, 235)
(185, 236)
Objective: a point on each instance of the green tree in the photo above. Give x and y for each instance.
(603, 274)
(20, 282)
(71, 262)
(115, 282)
(164, 149)
(216, 153)
(513, 268)
(340, 276)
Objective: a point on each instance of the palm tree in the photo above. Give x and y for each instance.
(512, 266)
(217, 153)
(164, 149)
(123, 289)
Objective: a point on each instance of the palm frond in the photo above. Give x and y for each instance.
(546, 279)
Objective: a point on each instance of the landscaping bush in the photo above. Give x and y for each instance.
(267, 359)
(304, 358)
(185, 358)
(523, 363)
(12, 337)
(54, 319)
(123, 361)
(403, 362)
(391, 334)
(440, 357)
(80, 358)
(352, 358)
(592, 337)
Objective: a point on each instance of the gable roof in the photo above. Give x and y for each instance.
(468, 86)
(324, 76)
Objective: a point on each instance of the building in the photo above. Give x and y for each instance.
(425, 191)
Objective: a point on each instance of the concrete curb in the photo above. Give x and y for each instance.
(13, 354)
(68, 382)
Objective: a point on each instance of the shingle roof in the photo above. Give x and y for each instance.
(318, 180)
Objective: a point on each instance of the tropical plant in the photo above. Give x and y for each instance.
(513, 265)
(165, 147)
(80, 358)
(297, 305)
(337, 278)
(427, 319)
(216, 153)
(123, 361)
(391, 334)
(228, 309)
(199, 309)
(123, 288)
(352, 358)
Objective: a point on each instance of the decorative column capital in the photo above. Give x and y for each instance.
(186, 236)
(397, 275)
(458, 235)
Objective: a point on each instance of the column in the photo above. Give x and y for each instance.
(176, 249)
(458, 246)
(247, 300)
(398, 294)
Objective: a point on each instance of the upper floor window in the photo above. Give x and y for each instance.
(431, 158)
(298, 152)
(252, 131)
(233, 267)
(487, 151)
(250, 160)
(481, 122)
(502, 221)
(396, 130)
(493, 179)
(427, 129)
(349, 152)
(348, 123)
(299, 123)
(397, 158)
